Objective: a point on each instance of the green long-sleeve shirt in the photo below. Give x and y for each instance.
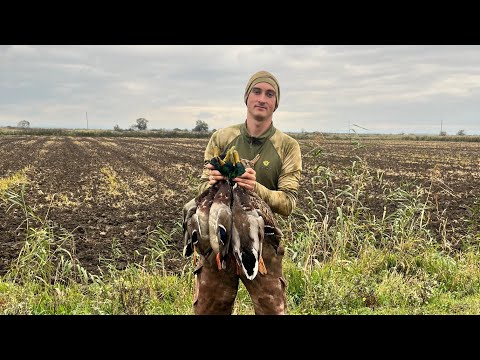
(278, 169)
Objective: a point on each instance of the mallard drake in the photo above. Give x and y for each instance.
(272, 232)
(195, 223)
(201, 219)
(247, 234)
(220, 223)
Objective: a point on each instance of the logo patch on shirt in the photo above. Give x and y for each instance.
(266, 162)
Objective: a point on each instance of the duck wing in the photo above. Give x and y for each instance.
(188, 226)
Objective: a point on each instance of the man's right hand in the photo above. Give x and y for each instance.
(215, 175)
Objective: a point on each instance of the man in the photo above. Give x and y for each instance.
(275, 178)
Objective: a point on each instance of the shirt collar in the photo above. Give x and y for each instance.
(259, 139)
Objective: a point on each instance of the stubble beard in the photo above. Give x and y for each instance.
(259, 116)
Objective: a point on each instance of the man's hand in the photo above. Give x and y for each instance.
(247, 180)
(214, 175)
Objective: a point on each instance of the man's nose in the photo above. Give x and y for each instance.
(262, 98)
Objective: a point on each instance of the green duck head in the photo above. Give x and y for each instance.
(228, 163)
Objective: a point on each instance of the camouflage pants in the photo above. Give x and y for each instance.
(216, 290)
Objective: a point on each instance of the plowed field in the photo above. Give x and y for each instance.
(101, 189)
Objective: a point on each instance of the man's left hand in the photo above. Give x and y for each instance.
(247, 180)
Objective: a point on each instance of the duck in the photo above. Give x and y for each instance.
(201, 219)
(196, 219)
(247, 234)
(272, 231)
(196, 223)
(220, 223)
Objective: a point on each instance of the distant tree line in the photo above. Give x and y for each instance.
(459, 133)
(141, 124)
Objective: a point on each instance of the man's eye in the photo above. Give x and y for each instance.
(270, 94)
(256, 91)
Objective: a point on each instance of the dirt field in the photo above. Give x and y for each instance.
(124, 188)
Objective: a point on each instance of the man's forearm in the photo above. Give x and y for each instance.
(281, 202)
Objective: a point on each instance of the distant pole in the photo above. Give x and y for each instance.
(441, 127)
(86, 115)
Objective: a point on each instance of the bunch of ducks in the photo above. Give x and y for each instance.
(228, 219)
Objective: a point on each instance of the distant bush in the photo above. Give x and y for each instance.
(200, 126)
(23, 124)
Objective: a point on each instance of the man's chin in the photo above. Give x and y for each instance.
(260, 117)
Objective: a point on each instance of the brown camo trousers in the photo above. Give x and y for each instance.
(216, 290)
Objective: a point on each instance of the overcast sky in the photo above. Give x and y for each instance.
(371, 88)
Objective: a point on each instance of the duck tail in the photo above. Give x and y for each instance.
(255, 159)
(269, 230)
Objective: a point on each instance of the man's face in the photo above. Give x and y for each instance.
(261, 101)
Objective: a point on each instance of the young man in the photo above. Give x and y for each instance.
(275, 178)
